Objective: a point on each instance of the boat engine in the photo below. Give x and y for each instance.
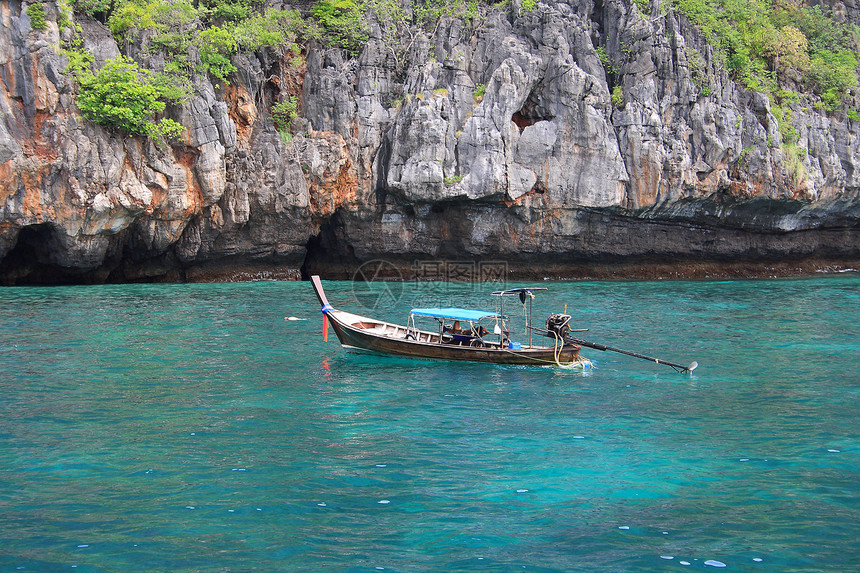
(558, 323)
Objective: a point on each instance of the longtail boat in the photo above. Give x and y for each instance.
(466, 335)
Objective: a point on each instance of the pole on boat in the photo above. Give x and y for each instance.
(326, 307)
(604, 348)
(530, 318)
(523, 295)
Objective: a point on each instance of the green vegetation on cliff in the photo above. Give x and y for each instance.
(196, 38)
(345, 23)
(36, 12)
(780, 47)
(201, 37)
(119, 97)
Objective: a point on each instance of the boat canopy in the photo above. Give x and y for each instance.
(454, 313)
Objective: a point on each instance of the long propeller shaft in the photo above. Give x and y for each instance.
(604, 348)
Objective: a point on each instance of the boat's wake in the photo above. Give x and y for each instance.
(583, 365)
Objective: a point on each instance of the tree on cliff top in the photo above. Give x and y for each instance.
(117, 97)
(345, 22)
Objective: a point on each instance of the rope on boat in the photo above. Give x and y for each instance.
(584, 362)
(556, 352)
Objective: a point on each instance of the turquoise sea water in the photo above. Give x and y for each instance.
(192, 428)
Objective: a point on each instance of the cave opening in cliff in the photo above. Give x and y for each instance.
(328, 252)
(24, 263)
(531, 112)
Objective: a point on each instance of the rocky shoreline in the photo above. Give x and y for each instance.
(693, 270)
(464, 270)
(621, 271)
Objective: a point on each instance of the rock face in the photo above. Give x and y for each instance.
(502, 139)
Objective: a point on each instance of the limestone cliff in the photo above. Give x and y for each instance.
(492, 140)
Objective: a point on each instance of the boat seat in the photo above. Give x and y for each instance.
(463, 337)
(468, 340)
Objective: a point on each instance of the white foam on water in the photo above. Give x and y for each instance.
(665, 533)
(623, 527)
(383, 501)
(231, 511)
(714, 563)
(381, 465)
(745, 459)
(323, 504)
(833, 451)
(579, 437)
(757, 559)
(522, 490)
(189, 507)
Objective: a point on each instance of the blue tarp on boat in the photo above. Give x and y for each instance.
(453, 313)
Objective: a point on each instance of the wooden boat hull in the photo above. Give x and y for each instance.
(352, 337)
